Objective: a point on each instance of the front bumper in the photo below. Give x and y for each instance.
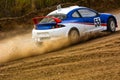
(47, 35)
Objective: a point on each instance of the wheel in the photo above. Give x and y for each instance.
(74, 36)
(111, 25)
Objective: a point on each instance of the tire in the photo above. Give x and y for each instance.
(74, 36)
(111, 26)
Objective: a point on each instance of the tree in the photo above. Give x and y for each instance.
(33, 6)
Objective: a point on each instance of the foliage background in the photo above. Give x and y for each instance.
(15, 8)
(16, 15)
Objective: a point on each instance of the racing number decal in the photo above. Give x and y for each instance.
(97, 22)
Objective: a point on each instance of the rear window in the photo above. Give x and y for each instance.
(49, 20)
(60, 16)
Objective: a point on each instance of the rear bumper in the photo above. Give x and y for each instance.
(47, 35)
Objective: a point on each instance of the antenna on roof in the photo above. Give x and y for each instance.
(59, 7)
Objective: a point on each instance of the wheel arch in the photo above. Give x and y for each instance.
(114, 20)
(73, 28)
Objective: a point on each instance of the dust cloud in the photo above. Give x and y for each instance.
(118, 20)
(20, 47)
(23, 46)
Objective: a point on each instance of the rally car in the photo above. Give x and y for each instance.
(71, 22)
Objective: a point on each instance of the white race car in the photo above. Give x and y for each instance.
(72, 22)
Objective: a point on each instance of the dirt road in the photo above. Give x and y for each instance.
(97, 59)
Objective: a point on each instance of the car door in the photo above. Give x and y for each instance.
(91, 19)
(78, 20)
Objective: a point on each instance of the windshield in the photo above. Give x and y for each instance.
(49, 20)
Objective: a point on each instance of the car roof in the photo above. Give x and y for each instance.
(65, 10)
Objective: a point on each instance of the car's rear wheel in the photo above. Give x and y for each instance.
(74, 36)
(111, 26)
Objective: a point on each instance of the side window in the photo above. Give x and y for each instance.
(87, 13)
(75, 14)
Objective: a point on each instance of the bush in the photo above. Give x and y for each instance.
(15, 8)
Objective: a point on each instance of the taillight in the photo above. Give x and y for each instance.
(61, 25)
(35, 21)
(58, 26)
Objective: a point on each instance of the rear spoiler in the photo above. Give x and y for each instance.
(35, 20)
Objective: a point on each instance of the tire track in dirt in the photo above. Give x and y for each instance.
(101, 73)
(49, 71)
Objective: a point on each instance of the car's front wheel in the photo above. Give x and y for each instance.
(74, 36)
(111, 26)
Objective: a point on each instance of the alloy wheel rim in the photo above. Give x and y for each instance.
(74, 36)
(112, 25)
